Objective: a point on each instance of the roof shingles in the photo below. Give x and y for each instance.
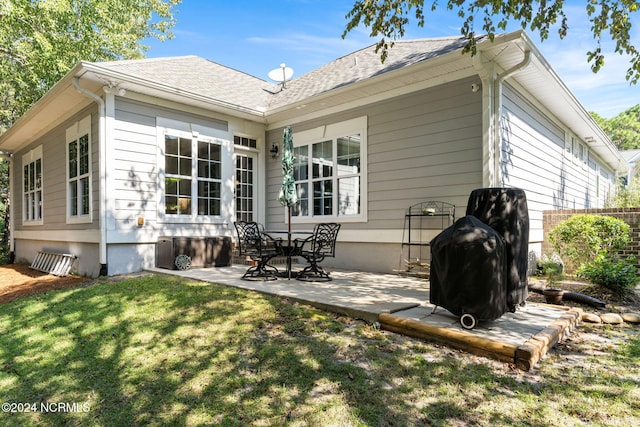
(192, 74)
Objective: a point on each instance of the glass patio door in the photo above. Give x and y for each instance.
(245, 186)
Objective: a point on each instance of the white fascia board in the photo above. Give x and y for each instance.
(132, 82)
(13, 139)
(575, 116)
(294, 108)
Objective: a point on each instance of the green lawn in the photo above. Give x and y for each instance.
(161, 351)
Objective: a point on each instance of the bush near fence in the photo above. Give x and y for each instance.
(550, 219)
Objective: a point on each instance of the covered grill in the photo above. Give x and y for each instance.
(468, 269)
(479, 264)
(505, 210)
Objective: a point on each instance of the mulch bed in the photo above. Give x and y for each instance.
(627, 302)
(18, 280)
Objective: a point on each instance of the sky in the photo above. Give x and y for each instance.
(256, 36)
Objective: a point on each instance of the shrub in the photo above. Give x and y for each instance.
(617, 275)
(582, 238)
(4, 255)
(549, 265)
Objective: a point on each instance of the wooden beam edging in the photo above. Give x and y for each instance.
(529, 353)
(464, 341)
(524, 356)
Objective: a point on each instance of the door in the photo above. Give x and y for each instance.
(245, 186)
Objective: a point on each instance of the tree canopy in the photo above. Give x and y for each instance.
(388, 19)
(623, 129)
(41, 40)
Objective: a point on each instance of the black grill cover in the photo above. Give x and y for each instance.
(505, 210)
(468, 267)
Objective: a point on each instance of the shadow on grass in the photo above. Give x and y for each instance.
(161, 351)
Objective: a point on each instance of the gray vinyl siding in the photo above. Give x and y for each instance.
(135, 166)
(422, 146)
(134, 172)
(54, 180)
(534, 158)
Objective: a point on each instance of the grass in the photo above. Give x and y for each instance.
(160, 351)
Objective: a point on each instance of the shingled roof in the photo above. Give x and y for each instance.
(364, 64)
(192, 74)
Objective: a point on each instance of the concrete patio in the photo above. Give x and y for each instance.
(401, 304)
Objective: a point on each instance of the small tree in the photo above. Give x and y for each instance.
(581, 238)
(627, 196)
(591, 243)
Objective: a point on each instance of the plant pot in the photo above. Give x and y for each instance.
(553, 296)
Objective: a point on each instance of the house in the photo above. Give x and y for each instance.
(118, 154)
(631, 157)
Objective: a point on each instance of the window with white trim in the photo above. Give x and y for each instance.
(329, 171)
(78, 150)
(193, 175)
(32, 187)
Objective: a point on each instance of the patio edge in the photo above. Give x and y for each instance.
(464, 341)
(524, 356)
(529, 353)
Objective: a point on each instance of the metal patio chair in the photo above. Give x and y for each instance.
(315, 248)
(260, 248)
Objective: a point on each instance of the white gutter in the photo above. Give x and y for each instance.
(102, 131)
(496, 177)
(525, 61)
(133, 80)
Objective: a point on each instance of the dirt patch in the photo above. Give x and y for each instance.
(18, 280)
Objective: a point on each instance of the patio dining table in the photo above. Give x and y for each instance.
(287, 246)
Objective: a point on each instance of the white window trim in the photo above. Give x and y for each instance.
(79, 129)
(568, 145)
(195, 132)
(331, 132)
(29, 158)
(578, 147)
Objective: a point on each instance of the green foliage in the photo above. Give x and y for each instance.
(40, 41)
(389, 18)
(4, 254)
(551, 268)
(627, 196)
(582, 238)
(623, 129)
(617, 275)
(4, 203)
(591, 242)
(548, 265)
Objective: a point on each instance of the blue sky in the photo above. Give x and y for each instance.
(256, 36)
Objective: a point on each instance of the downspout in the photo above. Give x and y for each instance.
(12, 252)
(102, 131)
(497, 178)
